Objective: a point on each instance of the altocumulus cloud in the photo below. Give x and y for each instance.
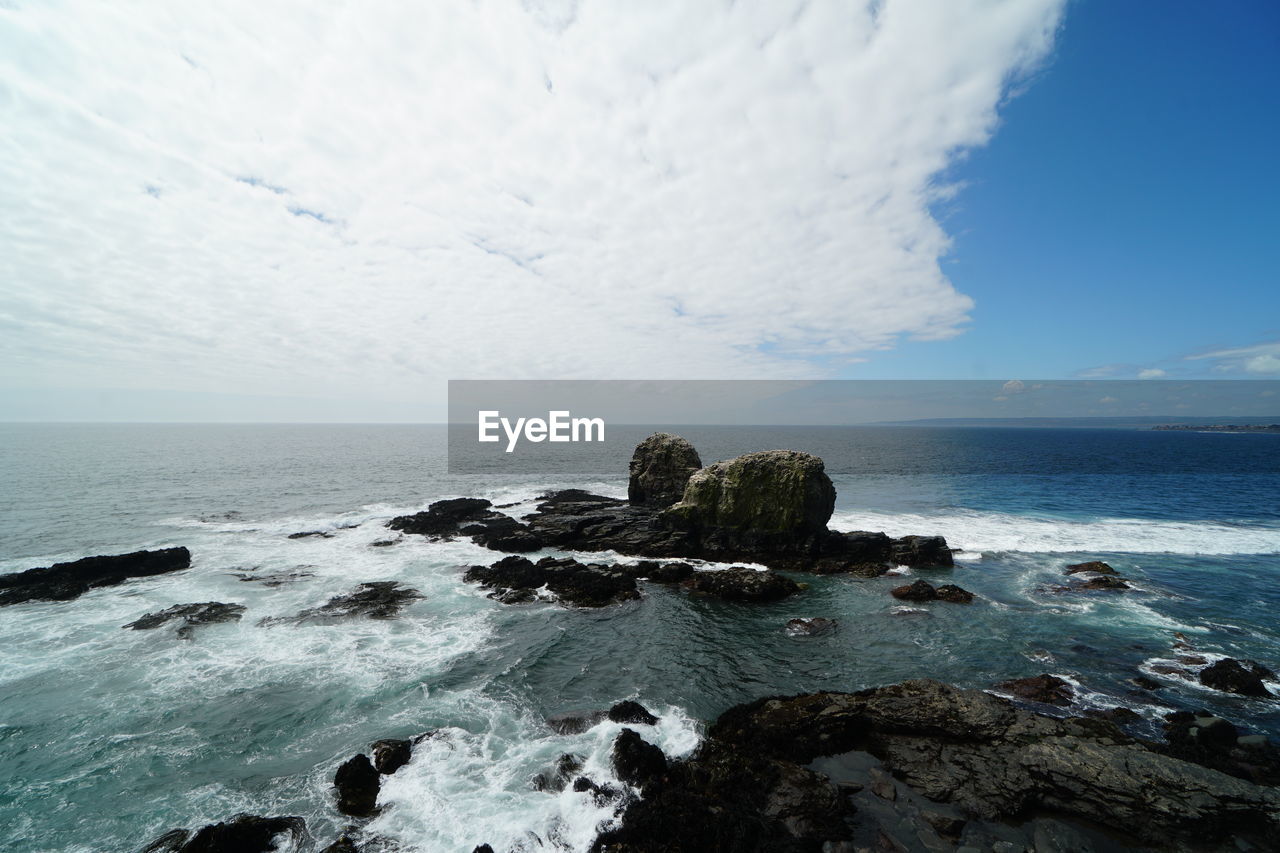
(366, 198)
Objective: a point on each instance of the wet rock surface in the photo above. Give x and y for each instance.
(1045, 689)
(357, 781)
(809, 626)
(660, 469)
(922, 590)
(474, 517)
(636, 761)
(518, 579)
(630, 711)
(390, 754)
(65, 581)
(741, 584)
(1244, 677)
(1095, 566)
(189, 617)
(243, 833)
(373, 600)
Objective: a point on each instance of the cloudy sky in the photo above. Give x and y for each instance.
(312, 210)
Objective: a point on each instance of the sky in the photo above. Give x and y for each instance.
(323, 211)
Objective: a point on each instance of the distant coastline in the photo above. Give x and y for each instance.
(1271, 428)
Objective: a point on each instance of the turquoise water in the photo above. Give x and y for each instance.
(109, 737)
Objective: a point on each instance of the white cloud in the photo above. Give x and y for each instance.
(1014, 386)
(1260, 359)
(365, 199)
(1151, 373)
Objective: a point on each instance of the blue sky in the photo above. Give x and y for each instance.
(1125, 213)
(324, 211)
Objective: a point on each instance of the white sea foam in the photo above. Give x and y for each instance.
(975, 531)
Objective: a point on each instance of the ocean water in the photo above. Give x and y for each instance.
(110, 737)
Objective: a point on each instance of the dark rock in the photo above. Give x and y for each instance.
(810, 627)
(636, 761)
(954, 594)
(1048, 689)
(558, 777)
(742, 584)
(274, 579)
(357, 782)
(322, 534)
(575, 722)
(442, 517)
(1096, 566)
(920, 590)
(383, 543)
(670, 573)
(243, 833)
(660, 469)
(373, 600)
(1211, 741)
(64, 581)
(583, 585)
(501, 532)
(1145, 683)
(390, 754)
(483, 848)
(921, 551)
(1237, 676)
(191, 616)
(344, 844)
(1120, 716)
(1103, 582)
(630, 711)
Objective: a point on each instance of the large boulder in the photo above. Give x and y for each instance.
(357, 781)
(660, 468)
(243, 833)
(518, 580)
(64, 581)
(1237, 676)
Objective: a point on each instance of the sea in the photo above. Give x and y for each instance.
(110, 737)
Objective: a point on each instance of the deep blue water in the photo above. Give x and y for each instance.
(109, 737)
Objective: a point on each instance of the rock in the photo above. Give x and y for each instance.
(64, 581)
(742, 584)
(921, 551)
(191, 616)
(357, 782)
(442, 517)
(483, 848)
(986, 756)
(810, 627)
(636, 761)
(1237, 676)
(575, 722)
(1145, 682)
(274, 579)
(243, 833)
(631, 711)
(1103, 582)
(660, 469)
(1096, 566)
(500, 532)
(373, 600)
(344, 844)
(390, 754)
(770, 497)
(1211, 741)
(383, 543)
(322, 534)
(921, 590)
(670, 573)
(558, 777)
(882, 785)
(582, 585)
(1048, 689)
(1120, 716)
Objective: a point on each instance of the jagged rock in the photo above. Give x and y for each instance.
(1047, 689)
(741, 584)
(575, 722)
(954, 594)
(660, 469)
(1103, 582)
(631, 711)
(321, 534)
(583, 585)
(64, 581)
(191, 616)
(357, 782)
(921, 590)
(274, 579)
(1237, 676)
(1095, 566)
(636, 761)
(500, 532)
(558, 777)
(921, 551)
(390, 754)
(474, 517)
(809, 627)
(243, 833)
(984, 754)
(670, 573)
(373, 600)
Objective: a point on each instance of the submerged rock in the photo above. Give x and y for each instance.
(191, 616)
(373, 600)
(64, 581)
(1046, 689)
(357, 782)
(583, 585)
(244, 833)
(1237, 676)
(320, 534)
(660, 469)
(809, 627)
(557, 778)
(742, 584)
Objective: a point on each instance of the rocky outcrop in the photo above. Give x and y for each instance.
(1244, 677)
(809, 626)
(994, 760)
(631, 711)
(474, 517)
(1211, 741)
(660, 468)
(921, 551)
(243, 833)
(64, 581)
(518, 579)
(922, 590)
(189, 617)
(357, 781)
(390, 754)
(1045, 689)
(741, 584)
(636, 761)
(1095, 566)
(373, 600)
